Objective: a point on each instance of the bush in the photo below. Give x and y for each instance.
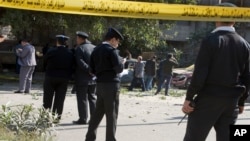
(25, 122)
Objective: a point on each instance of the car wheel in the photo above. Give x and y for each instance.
(187, 82)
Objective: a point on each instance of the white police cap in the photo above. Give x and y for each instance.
(82, 34)
(62, 37)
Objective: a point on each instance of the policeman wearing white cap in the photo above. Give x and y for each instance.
(62, 39)
(82, 34)
(85, 85)
(58, 65)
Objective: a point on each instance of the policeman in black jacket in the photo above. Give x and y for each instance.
(221, 81)
(106, 64)
(84, 81)
(58, 64)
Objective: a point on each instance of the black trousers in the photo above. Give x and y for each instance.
(54, 88)
(211, 111)
(85, 95)
(108, 104)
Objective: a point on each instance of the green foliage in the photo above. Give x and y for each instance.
(123, 90)
(18, 20)
(32, 24)
(94, 26)
(163, 97)
(198, 35)
(192, 48)
(140, 34)
(177, 93)
(178, 54)
(8, 77)
(27, 121)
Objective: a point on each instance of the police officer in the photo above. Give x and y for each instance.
(106, 64)
(84, 81)
(221, 82)
(58, 64)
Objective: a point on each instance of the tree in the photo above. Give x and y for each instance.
(38, 26)
(140, 34)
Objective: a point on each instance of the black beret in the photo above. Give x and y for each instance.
(82, 34)
(226, 4)
(112, 32)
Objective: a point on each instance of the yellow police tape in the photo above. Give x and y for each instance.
(133, 9)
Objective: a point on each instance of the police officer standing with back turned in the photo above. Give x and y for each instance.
(84, 81)
(106, 64)
(221, 81)
(58, 64)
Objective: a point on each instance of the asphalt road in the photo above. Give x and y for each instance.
(142, 116)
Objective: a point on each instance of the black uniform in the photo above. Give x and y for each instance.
(58, 63)
(85, 85)
(106, 65)
(221, 80)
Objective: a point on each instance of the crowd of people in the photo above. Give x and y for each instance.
(96, 76)
(145, 72)
(211, 101)
(96, 73)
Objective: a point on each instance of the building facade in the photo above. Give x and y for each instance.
(185, 35)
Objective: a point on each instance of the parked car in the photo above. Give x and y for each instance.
(126, 76)
(182, 77)
(128, 71)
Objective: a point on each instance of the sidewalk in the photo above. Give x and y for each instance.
(141, 117)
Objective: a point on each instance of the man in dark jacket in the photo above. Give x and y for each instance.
(84, 81)
(221, 82)
(150, 72)
(106, 64)
(166, 72)
(58, 64)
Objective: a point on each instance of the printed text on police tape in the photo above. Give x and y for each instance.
(133, 9)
